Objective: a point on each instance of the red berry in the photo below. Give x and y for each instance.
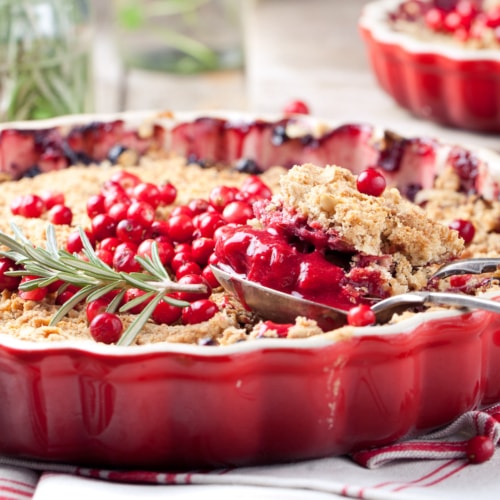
(237, 212)
(434, 18)
(148, 193)
(180, 228)
(296, 107)
(103, 226)
(32, 206)
(106, 327)
(201, 249)
(167, 193)
(258, 189)
(124, 258)
(52, 198)
(465, 228)
(194, 279)
(105, 255)
(109, 244)
(37, 294)
(95, 205)
(361, 315)
(8, 282)
(187, 268)
(479, 449)
(207, 223)
(199, 311)
(198, 206)
(208, 274)
(74, 242)
(371, 182)
(119, 210)
(179, 259)
(141, 212)
(220, 196)
(165, 313)
(125, 179)
(165, 250)
(130, 230)
(131, 294)
(60, 214)
(95, 307)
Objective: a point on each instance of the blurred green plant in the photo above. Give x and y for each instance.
(44, 59)
(186, 52)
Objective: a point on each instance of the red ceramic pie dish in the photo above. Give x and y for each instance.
(444, 83)
(176, 406)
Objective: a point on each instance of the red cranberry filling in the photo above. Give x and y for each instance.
(270, 257)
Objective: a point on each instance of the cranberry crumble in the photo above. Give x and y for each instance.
(472, 24)
(325, 240)
(214, 195)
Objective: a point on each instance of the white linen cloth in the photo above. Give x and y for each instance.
(433, 466)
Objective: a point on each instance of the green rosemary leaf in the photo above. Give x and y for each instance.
(137, 301)
(115, 303)
(140, 320)
(71, 304)
(52, 241)
(101, 291)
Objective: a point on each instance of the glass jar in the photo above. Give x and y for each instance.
(45, 48)
(180, 36)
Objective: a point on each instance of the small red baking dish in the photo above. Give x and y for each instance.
(441, 82)
(176, 406)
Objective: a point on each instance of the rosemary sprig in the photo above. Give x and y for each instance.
(93, 277)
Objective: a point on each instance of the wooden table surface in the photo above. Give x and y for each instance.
(294, 49)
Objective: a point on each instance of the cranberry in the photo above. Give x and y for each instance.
(208, 274)
(106, 327)
(479, 449)
(133, 294)
(181, 210)
(103, 226)
(220, 196)
(167, 193)
(124, 258)
(452, 21)
(207, 223)
(148, 193)
(165, 250)
(74, 242)
(119, 210)
(371, 182)
(237, 212)
(141, 212)
(194, 279)
(37, 294)
(465, 228)
(198, 206)
(105, 255)
(361, 315)
(165, 313)
(31, 206)
(159, 229)
(125, 179)
(130, 230)
(95, 205)
(187, 268)
(109, 244)
(8, 282)
(60, 214)
(258, 189)
(280, 328)
(434, 19)
(201, 249)
(52, 198)
(199, 311)
(179, 259)
(296, 107)
(95, 307)
(180, 228)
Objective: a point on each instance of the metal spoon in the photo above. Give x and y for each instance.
(284, 308)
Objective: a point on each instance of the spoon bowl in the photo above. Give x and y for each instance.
(282, 307)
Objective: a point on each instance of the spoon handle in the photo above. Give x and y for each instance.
(386, 308)
(468, 266)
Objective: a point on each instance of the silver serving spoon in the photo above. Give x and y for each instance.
(284, 308)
